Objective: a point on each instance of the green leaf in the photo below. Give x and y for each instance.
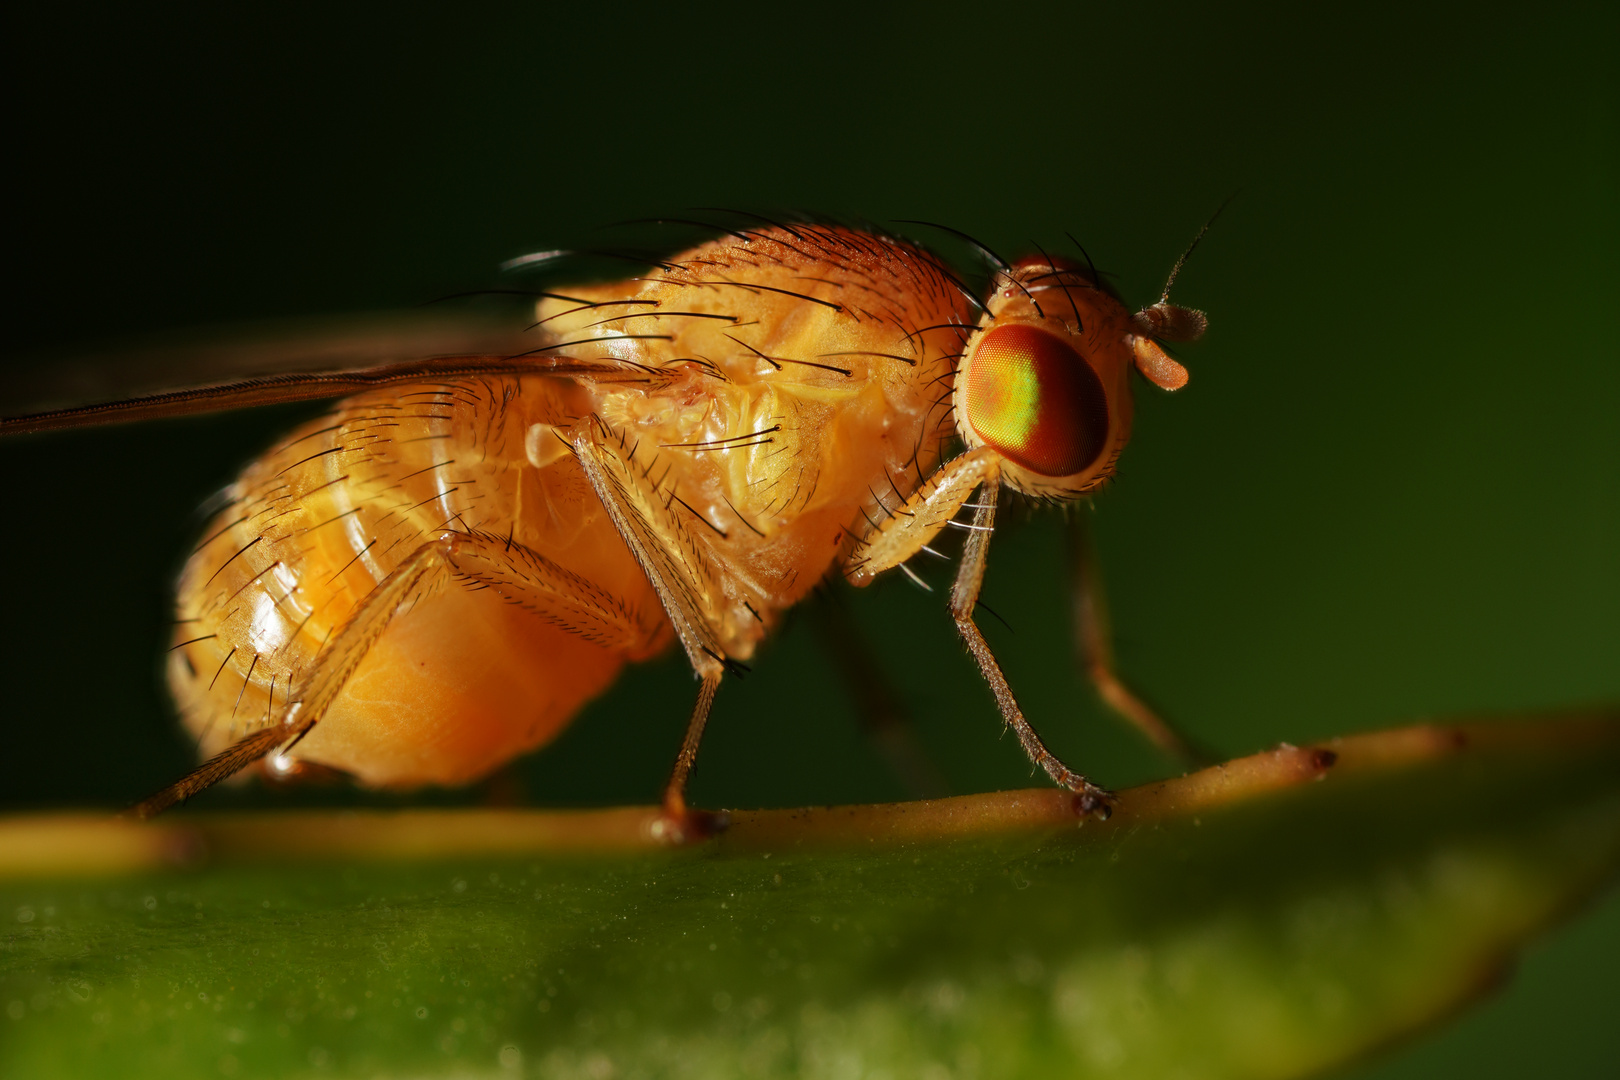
(1272, 917)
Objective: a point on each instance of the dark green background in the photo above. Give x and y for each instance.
(1391, 490)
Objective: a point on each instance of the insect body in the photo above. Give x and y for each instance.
(433, 578)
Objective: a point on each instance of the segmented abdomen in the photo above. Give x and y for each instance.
(462, 680)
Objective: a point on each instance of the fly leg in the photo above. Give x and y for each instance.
(688, 584)
(1095, 644)
(414, 578)
(1090, 799)
(680, 822)
(518, 574)
(904, 531)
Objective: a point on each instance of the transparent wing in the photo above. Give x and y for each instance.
(242, 367)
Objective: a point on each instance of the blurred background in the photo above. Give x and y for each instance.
(1390, 492)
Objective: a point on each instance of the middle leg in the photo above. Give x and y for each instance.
(688, 585)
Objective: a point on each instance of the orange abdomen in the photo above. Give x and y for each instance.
(454, 690)
(461, 681)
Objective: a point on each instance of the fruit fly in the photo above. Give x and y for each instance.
(434, 577)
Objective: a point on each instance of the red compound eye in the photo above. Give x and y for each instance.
(1035, 399)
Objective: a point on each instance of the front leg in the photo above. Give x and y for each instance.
(918, 520)
(906, 529)
(964, 597)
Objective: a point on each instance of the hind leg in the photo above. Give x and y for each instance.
(519, 575)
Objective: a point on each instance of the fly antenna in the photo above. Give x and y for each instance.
(1165, 321)
(1164, 297)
